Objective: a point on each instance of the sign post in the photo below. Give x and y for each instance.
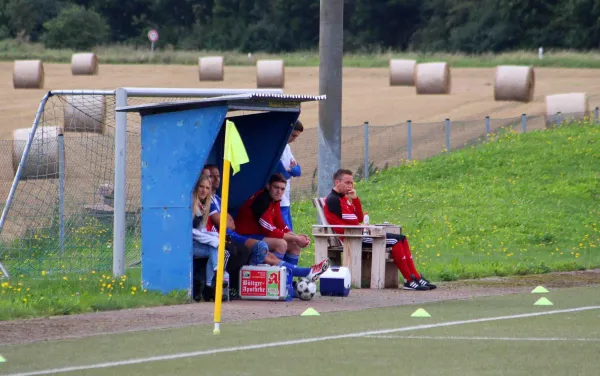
(153, 37)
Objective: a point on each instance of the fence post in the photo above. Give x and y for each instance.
(409, 140)
(120, 184)
(559, 118)
(447, 134)
(487, 125)
(524, 123)
(596, 115)
(366, 125)
(61, 190)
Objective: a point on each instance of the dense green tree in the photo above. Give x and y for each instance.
(76, 27)
(472, 26)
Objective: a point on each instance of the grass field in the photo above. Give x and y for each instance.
(519, 203)
(516, 204)
(505, 335)
(117, 54)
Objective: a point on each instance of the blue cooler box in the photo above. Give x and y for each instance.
(335, 281)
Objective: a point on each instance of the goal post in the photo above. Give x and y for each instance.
(101, 184)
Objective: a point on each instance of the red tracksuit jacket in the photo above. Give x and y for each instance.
(260, 215)
(341, 210)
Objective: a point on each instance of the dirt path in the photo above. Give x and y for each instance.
(61, 327)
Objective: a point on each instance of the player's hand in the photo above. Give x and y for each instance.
(303, 241)
(352, 194)
(293, 163)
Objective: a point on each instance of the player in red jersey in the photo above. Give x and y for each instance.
(260, 218)
(343, 207)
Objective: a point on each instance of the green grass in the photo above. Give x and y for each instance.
(118, 54)
(518, 204)
(504, 345)
(46, 295)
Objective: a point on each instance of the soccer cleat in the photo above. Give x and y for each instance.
(423, 282)
(413, 285)
(426, 283)
(317, 269)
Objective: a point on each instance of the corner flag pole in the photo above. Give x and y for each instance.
(234, 155)
(221, 257)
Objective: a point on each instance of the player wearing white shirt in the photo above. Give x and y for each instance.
(289, 168)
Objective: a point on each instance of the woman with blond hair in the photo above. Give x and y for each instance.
(205, 235)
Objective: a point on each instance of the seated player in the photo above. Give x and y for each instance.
(258, 249)
(260, 218)
(343, 207)
(205, 241)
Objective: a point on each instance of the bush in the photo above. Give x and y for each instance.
(77, 28)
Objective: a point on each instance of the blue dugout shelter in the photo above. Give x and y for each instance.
(178, 139)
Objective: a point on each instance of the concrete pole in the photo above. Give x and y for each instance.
(331, 42)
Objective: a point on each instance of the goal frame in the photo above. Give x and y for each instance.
(121, 96)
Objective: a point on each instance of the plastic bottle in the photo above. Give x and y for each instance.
(366, 223)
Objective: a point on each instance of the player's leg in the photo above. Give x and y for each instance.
(277, 259)
(400, 261)
(402, 249)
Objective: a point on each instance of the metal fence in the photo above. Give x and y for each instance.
(60, 219)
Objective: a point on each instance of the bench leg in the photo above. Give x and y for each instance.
(392, 276)
(378, 264)
(321, 246)
(353, 258)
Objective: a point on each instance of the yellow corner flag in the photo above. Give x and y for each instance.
(235, 152)
(234, 155)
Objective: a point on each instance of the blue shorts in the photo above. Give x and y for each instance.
(236, 238)
(256, 236)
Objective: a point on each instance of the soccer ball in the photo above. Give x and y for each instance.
(305, 289)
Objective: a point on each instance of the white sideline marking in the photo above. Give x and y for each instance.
(294, 342)
(491, 338)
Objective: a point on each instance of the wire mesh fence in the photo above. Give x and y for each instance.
(60, 219)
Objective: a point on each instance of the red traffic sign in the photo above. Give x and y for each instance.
(153, 35)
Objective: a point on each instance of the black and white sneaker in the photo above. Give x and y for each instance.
(413, 285)
(423, 282)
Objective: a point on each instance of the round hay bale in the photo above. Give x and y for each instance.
(402, 72)
(572, 106)
(84, 64)
(211, 68)
(28, 74)
(270, 74)
(514, 83)
(84, 113)
(42, 160)
(432, 78)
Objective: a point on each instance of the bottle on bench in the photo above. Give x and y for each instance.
(366, 223)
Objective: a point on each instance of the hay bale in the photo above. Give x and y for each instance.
(210, 68)
(572, 106)
(28, 74)
(84, 113)
(42, 160)
(270, 74)
(432, 78)
(84, 64)
(514, 83)
(402, 72)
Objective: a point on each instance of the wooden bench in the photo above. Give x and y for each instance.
(374, 263)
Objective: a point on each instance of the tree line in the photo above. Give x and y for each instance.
(469, 26)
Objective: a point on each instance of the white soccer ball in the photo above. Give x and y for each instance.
(305, 289)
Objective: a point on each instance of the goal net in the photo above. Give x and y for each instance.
(60, 215)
